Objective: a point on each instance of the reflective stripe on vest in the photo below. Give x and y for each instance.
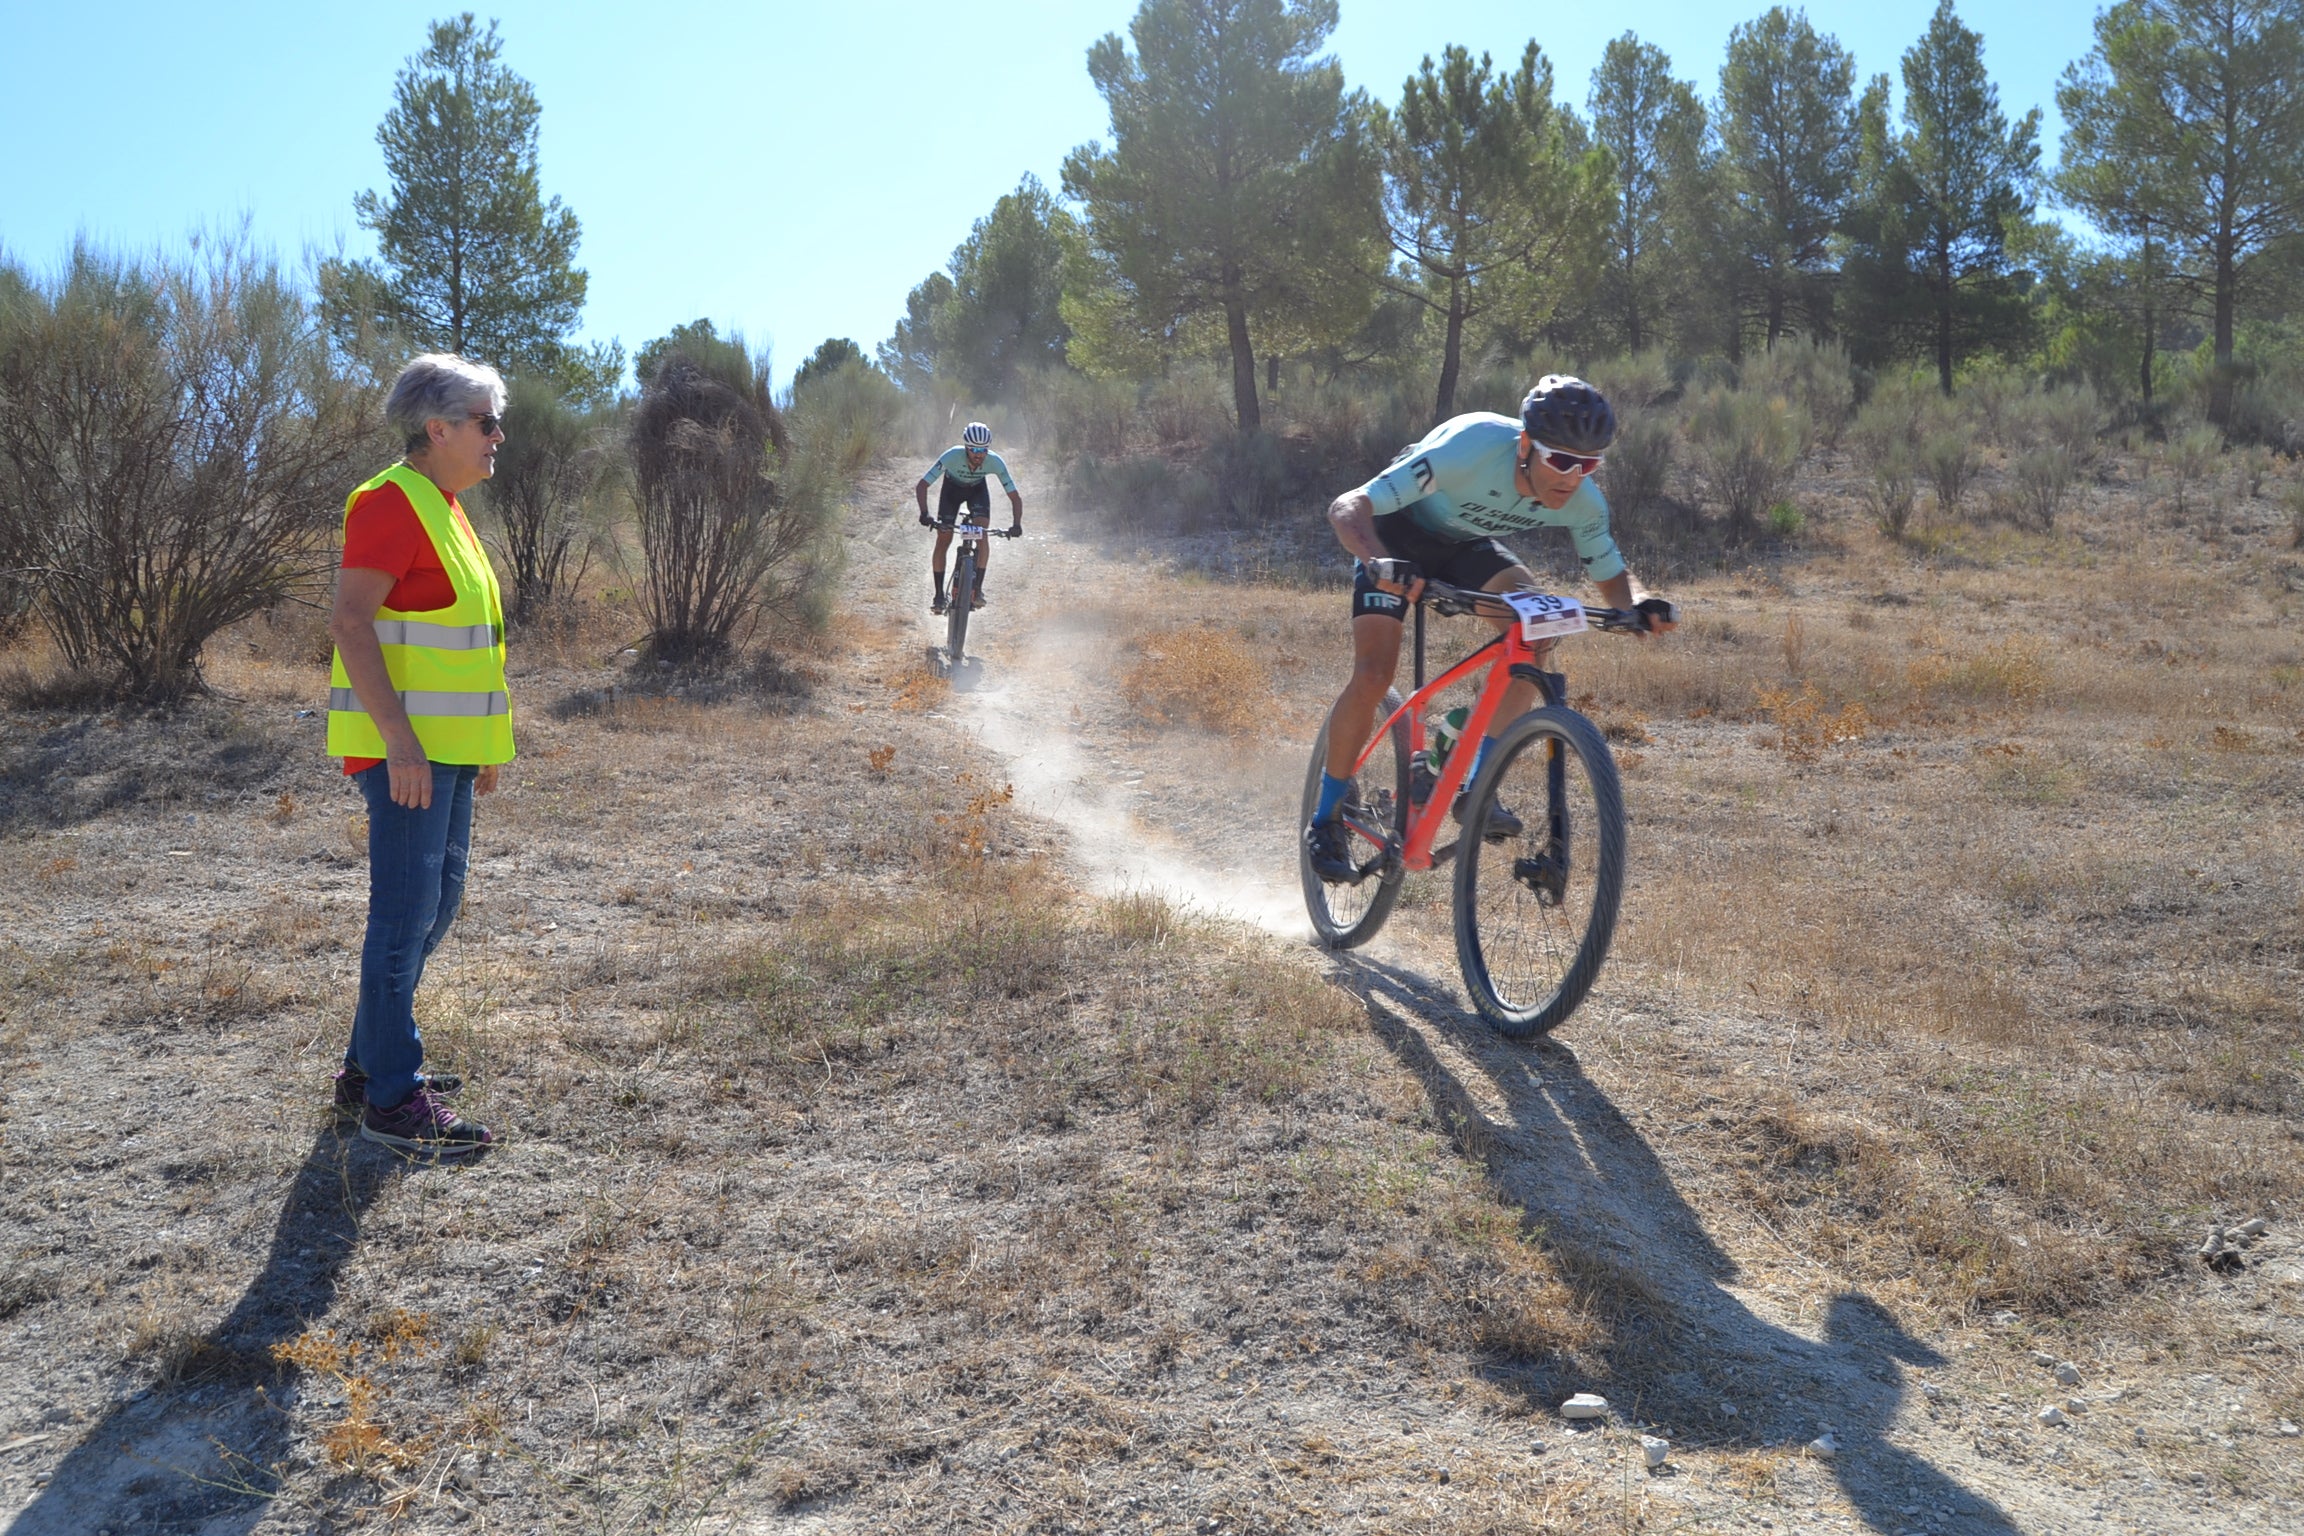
(438, 637)
(446, 665)
(419, 701)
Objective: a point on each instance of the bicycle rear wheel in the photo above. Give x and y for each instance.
(1376, 810)
(956, 612)
(1535, 911)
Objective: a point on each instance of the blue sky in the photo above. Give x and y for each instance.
(790, 171)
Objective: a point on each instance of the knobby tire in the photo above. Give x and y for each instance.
(956, 613)
(1528, 961)
(1345, 916)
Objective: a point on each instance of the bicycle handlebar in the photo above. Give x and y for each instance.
(1449, 600)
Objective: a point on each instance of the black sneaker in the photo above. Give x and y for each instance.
(1421, 782)
(977, 601)
(352, 1087)
(1503, 823)
(424, 1126)
(936, 604)
(1330, 845)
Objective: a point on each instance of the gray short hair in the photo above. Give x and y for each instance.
(439, 386)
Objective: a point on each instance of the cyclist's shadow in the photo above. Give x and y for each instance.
(205, 1453)
(1681, 1348)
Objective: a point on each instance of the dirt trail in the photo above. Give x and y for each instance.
(1754, 1343)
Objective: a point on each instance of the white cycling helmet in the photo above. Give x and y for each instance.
(978, 435)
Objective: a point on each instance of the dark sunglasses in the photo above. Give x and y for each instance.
(490, 422)
(1569, 463)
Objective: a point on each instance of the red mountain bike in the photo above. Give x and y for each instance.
(1537, 890)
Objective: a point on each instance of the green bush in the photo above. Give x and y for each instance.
(1639, 466)
(1745, 449)
(847, 416)
(1894, 488)
(1815, 375)
(1634, 382)
(2043, 479)
(1948, 454)
(2191, 457)
(1785, 521)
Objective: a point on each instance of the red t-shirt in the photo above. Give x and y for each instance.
(383, 533)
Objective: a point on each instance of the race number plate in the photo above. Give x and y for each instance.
(972, 533)
(1545, 617)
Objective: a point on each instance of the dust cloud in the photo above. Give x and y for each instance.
(1115, 851)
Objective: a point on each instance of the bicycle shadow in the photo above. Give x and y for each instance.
(1681, 1348)
(206, 1453)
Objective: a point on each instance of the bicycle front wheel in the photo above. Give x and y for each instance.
(956, 612)
(1376, 812)
(1538, 886)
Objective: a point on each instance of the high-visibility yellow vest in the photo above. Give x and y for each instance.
(447, 664)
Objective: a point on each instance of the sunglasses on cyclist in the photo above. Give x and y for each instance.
(1568, 463)
(490, 422)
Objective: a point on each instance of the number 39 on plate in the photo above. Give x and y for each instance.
(1545, 617)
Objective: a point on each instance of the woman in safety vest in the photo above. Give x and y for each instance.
(418, 710)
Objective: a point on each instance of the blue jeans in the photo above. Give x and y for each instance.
(416, 864)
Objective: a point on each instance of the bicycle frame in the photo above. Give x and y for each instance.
(1515, 658)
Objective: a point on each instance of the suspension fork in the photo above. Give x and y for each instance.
(1554, 687)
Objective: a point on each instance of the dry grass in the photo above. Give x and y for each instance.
(858, 1168)
(1198, 676)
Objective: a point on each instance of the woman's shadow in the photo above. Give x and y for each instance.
(206, 1452)
(1682, 1352)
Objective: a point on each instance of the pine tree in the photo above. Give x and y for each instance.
(1653, 128)
(473, 259)
(1962, 178)
(2184, 124)
(1485, 201)
(1221, 193)
(1788, 136)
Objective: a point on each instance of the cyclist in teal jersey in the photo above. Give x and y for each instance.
(1435, 512)
(964, 467)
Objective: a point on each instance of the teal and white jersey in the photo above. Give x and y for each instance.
(954, 462)
(1457, 484)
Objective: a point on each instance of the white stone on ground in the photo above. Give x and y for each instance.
(2051, 1415)
(1585, 1405)
(1655, 1450)
(1825, 1445)
(2068, 1374)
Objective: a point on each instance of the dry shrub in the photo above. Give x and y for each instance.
(1806, 726)
(175, 444)
(1200, 676)
(2012, 672)
(359, 1442)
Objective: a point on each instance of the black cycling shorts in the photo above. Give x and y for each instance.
(1469, 563)
(977, 498)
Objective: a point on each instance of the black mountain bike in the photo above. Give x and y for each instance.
(948, 659)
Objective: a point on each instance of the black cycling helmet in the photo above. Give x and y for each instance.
(1564, 412)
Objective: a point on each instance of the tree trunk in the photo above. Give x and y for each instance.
(1452, 354)
(1271, 372)
(2221, 378)
(2151, 336)
(1243, 354)
(1944, 324)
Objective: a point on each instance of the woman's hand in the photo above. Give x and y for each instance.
(485, 784)
(411, 773)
